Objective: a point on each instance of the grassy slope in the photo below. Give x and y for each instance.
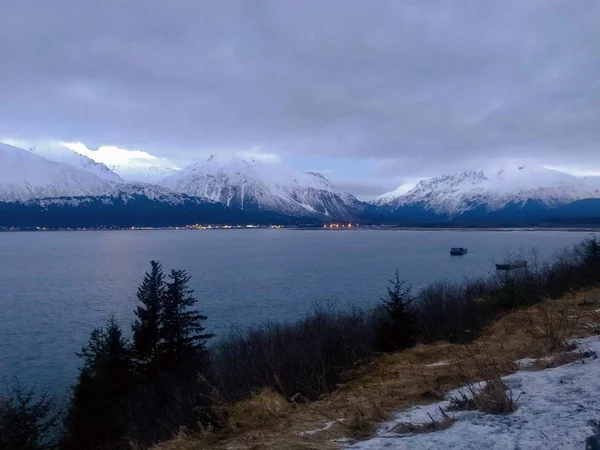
(393, 382)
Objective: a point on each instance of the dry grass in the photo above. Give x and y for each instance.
(492, 398)
(421, 428)
(483, 388)
(553, 325)
(396, 381)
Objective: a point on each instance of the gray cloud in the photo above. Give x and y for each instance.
(422, 87)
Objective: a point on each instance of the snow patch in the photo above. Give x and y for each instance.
(438, 364)
(325, 427)
(554, 411)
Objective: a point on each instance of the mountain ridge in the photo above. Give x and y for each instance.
(265, 188)
(80, 161)
(493, 189)
(25, 176)
(254, 184)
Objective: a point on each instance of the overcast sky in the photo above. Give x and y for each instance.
(371, 92)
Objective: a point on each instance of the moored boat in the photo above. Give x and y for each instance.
(458, 251)
(510, 265)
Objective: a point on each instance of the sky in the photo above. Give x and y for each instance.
(373, 94)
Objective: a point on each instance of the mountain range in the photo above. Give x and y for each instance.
(72, 190)
(515, 194)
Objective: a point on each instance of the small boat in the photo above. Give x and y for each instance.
(510, 265)
(458, 251)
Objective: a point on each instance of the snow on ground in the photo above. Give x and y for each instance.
(555, 408)
(325, 427)
(438, 364)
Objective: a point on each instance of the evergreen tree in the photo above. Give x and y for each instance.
(27, 421)
(147, 326)
(591, 252)
(94, 419)
(183, 334)
(399, 329)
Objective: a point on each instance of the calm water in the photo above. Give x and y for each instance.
(55, 287)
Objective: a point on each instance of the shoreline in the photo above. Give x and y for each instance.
(312, 228)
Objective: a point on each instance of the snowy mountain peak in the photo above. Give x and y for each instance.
(495, 188)
(72, 158)
(129, 165)
(99, 169)
(268, 168)
(25, 176)
(263, 183)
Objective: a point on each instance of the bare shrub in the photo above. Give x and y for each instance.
(454, 312)
(553, 326)
(361, 424)
(463, 400)
(309, 357)
(489, 393)
(259, 410)
(492, 398)
(429, 427)
(517, 288)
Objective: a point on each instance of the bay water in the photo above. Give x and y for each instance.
(55, 287)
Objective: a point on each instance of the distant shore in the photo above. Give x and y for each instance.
(465, 228)
(310, 228)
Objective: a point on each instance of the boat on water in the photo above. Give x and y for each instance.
(510, 265)
(458, 251)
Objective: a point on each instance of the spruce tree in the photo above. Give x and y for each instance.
(147, 326)
(399, 329)
(27, 421)
(183, 334)
(95, 417)
(591, 251)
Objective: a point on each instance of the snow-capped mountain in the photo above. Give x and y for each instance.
(263, 183)
(494, 190)
(390, 197)
(142, 171)
(72, 158)
(130, 165)
(36, 192)
(25, 176)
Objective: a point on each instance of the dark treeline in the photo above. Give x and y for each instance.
(131, 211)
(139, 392)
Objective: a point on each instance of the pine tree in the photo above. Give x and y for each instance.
(183, 334)
(27, 421)
(398, 330)
(591, 251)
(146, 328)
(94, 417)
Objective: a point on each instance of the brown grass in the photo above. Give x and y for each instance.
(492, 398)
(430, 427)
(401, 380)
(483, 388)
(553, 325)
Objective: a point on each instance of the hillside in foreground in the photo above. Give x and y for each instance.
(403, 400)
